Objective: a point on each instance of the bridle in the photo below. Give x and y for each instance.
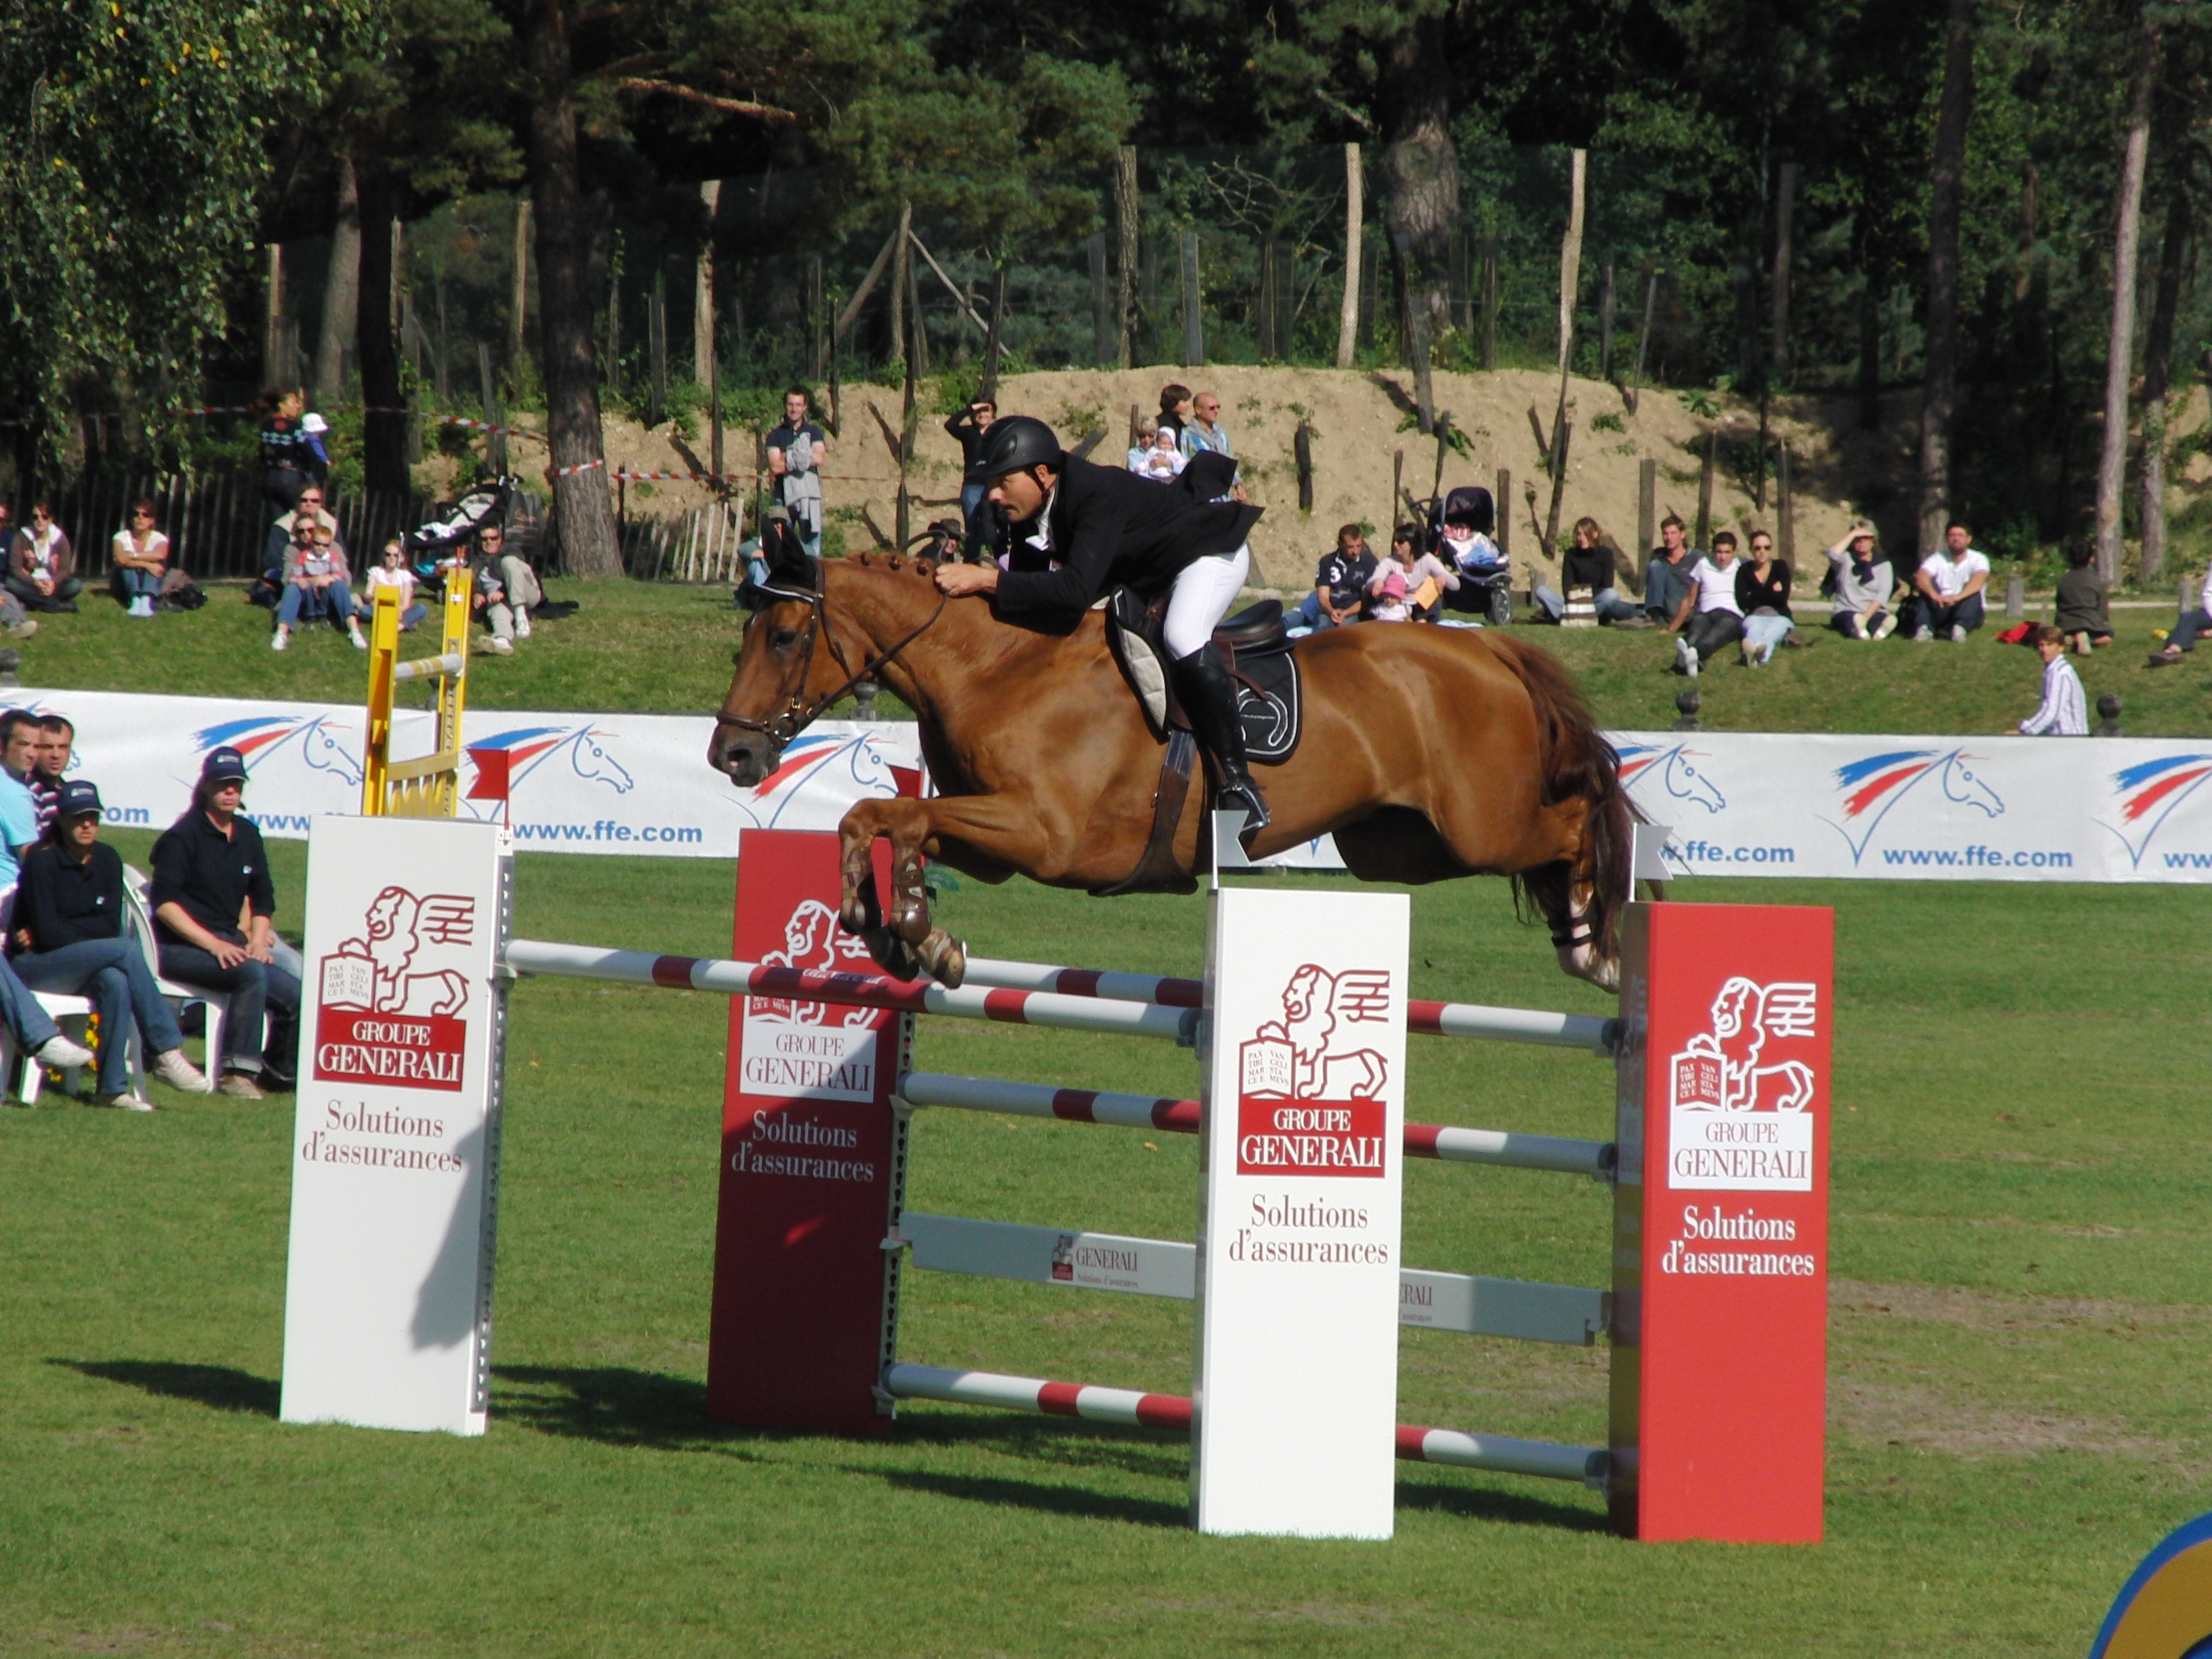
(797, 715)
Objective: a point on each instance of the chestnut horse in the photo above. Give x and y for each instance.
(1427, 752)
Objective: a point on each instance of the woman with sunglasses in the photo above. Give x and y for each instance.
(140, 555)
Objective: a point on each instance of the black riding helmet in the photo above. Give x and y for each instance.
(1015, 444)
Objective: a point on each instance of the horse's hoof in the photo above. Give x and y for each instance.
(946, 957)
(891, 953)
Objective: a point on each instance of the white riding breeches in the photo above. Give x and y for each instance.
(1201, 597)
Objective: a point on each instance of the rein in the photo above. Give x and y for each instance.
(780, 729)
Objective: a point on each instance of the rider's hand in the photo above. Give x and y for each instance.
(955, 579)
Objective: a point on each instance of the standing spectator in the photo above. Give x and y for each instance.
(50, 762)
(2186, 627)
(1762, 593)
(292, 453)
(1148, 432)
(1595, 564)
(1174, 410)
(1341, 582)
(210, 873)
(315, 585)
(796, 451)
(40, 566)
(393, 572)
(1162, 463)
(1946, 596)
(1709, 616)
(2064, 712)
(967, 428)
(1860, 578)
(19, 809)
(1206, 436)
(1428, 578)
(2084, 614)
(140, 557)
(1667, 575)
(69, 930)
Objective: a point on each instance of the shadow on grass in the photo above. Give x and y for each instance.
(1484, 1504)
(1036, 1495)
(614, 1405)
(222, 1388)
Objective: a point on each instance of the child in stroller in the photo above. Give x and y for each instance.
(1462, 526)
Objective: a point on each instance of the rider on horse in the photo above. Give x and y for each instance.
(1080, 530)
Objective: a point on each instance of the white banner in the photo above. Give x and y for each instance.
(1739, 803)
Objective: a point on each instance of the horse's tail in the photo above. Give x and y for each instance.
(1578, 763)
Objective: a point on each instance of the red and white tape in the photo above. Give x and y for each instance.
(580, 466)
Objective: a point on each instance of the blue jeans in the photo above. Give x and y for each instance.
(1607, 602)
(112, 973)
(1765, 630)
(136, 584)
(1310, 615)
(254, 987)
(32, 1027)
(2186, 627)
(335, 602)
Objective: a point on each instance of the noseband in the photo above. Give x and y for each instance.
(797, 715)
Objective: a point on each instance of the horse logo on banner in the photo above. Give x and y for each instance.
(314, 740)
(2146, 795)
(527, 748)
(1738, 1109)
(1677, 770)
(1871, 788)
(1310, 1098)
(389, 1012)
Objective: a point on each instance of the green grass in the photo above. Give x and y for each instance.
(2018, 1346)
(645, 646)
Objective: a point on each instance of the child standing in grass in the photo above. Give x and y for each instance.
(2064, 712)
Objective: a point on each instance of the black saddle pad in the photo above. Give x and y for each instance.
(1261, 659)
(1270, 704)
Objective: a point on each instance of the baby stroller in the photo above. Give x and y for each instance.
(1485, 578)
(454, 525)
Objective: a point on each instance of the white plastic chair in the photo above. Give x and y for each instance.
(138, 885)
(23, 1071)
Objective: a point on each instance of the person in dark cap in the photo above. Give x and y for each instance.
(69, 933)
(1077, 531)
(209, 870)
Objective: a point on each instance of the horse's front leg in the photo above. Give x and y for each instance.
(906, 943)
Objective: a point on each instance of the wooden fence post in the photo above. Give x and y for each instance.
(1647, 507)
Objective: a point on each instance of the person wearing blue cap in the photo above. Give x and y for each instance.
(69, 931)
(209, 870)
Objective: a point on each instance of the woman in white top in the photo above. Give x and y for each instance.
(391, 571)
(2065, 711)
(1709, 616)
(141, 557)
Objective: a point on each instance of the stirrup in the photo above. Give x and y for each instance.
(1246, 794)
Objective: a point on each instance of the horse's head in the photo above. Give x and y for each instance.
(1962, 783)
(781, 672)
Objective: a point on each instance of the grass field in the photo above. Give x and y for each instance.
(2022, 1328)
(646, 646)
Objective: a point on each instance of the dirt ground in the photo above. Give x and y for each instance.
(1361, 424)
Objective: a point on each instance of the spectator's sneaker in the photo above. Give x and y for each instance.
(180, 1074)
(354, 633)
(127, 1103)
(498, 646)
(1922, 634)
(23, 629)
(1634, 622)
(1859, 628)
(521, 623)
(280, 638)
(239, 1086)
(1888, 626)
(63, 1055)
(1957, 633)
(1682, 654)
(1689, 656)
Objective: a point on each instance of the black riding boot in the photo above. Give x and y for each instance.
(1209, 698)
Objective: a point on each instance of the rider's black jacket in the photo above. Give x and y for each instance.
(1113, 529)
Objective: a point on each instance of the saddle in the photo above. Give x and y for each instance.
(1254, 644)
(1261, 662)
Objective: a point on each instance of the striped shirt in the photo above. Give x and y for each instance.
(2065, 711)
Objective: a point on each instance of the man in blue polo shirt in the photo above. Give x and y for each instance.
(19, 739)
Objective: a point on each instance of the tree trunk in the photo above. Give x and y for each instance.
(2127, 246)
(1420, 168)
(2158, 367)
(1785, 202)
(384, 428)
(518, 300)
(1125, 254)
(702, 292)
(272, 335)
(583, 514)
(1939, 383)
(1348, 311)
(1869, 355)
(341, 288)
(1570, 281)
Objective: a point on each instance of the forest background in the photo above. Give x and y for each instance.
(1979, 225)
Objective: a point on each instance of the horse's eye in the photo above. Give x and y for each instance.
(781, 638)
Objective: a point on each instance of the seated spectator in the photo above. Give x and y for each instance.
(1709, 616)
(393, 572)
(1428, 578)
(1860, 581)
(1148, 428)
(1595, 564)
(50, 762)
(209, 872)
(140, 558)
(506, 590)
(19, 740)
(41, 567)
(2064, 712)
(2186, 627)
(315, 585)
(1341, 582)
(310, 506)
(1667, 572)
(70, 936)
(2084, 614)
(1386, 594)
(1762, 593)
(1164, 462)
(1947, 598)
